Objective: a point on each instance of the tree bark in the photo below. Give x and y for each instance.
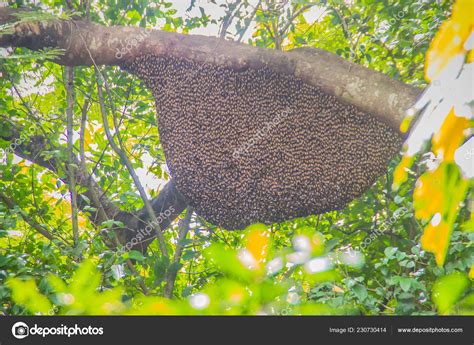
(86, 43)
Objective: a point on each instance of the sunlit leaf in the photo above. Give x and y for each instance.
(448, 290)
(26, 293)
(450, 136)
(257, 242)
(449, 40)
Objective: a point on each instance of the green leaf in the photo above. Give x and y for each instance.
(390, 252)
(160, 269)
(360, 291)
(405, 284)
(26, 293)
(136, 255)
(448, 290)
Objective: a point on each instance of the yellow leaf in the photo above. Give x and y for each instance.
(87, 136)
(471, 272)
(450, 39)
(401, 175)
(406, 123)
(450, 136)
(129, 144)
(435, 239)
(144, 272)
(317, 243)
(437, 197)
(82, 221)
(429, 193)
(470, 56)
(24, 167)
(306, 286)
(258, 242)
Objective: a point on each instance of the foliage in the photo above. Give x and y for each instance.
(370, 258)
(446, 121)
(252, 280)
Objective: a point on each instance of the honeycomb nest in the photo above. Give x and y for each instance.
(259, 146)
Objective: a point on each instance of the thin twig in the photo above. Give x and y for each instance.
(229, 17)
(172, 272)
(34, 224)
(121, 153)
(294, 16)
(252, 16)
(95, 198)
(70, 151)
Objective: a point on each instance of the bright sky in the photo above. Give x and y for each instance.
(214, 11)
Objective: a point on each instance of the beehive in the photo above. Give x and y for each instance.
(258, 146)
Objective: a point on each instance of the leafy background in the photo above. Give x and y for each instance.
(368, 258)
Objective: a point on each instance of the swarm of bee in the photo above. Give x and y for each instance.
(259, 146)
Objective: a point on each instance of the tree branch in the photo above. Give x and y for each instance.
(173, 269)
(85, 42)
(250, 19)
(34, 224)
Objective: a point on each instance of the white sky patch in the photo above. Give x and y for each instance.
(464, 158)
(469, 44)
(297, 258)
(15, 233)
(118, 271)
(453, 87)
(274, 266)
(352, 258)
(431, 161)
(214, 11)
(247, 259)
(4, 52)
(18, 159)
(314, 14)
(31, 83)
(292, 298)
(149, 181)
(436, 219)
(301, 243)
